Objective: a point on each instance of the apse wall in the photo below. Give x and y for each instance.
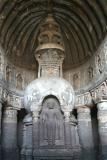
(91, 73)
(15, 78)
(82, 78)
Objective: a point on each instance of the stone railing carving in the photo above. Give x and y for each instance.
(93, 96)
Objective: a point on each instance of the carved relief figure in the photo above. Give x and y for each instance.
(90, 73)
(51, 120)
(1, 62)
(99, 64)
(8, 74)
(75, 81)
(19, 81)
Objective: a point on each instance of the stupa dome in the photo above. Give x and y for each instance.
(40, 88)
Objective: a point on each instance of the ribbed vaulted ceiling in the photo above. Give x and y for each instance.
(83, 24)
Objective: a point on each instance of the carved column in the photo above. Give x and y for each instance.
(67, 129)
(9, 137)
(85, 133)
(35, 133)
(102, 119)
(23, 150)
(26, 152)
(0, 126)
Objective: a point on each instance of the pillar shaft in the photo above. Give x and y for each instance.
(0, 126)
(29, 141)
(35, 133)
(85, 133)
(9, 137)
(102, 119)
(67, 129)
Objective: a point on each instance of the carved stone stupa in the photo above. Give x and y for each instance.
(50, 101)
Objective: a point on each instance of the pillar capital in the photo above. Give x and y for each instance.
(10, 115)
(35, 116)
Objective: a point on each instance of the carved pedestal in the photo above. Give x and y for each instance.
(9, 137)
(102, 119)
(85, 133)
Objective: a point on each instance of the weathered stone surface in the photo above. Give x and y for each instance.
(42, 87)
(102, 119)
(72, 30)
(85, 133)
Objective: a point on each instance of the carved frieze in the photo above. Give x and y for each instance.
(10, 115)
(14, 101)
(99, 93)
(83, 100)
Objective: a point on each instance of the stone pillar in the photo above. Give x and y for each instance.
(102, 119)
(35, 133)
(26, 152)
(9, 136)
(75, 138)
(0, 127)
(23, 150)
(67, 129)
(85, 133)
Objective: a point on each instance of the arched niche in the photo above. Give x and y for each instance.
(51, 123)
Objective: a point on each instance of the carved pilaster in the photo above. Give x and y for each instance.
(67, 129)
(26, 151)
(0, 126)
(74, 131)
(102, 119)
(23, 150)
(9, 137)
(85, 133)
(35, 132)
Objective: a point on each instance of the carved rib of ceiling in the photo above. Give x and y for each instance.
(83, 24)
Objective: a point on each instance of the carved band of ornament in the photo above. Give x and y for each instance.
(83, 110)
(10, 113)
(83, 100)
(97, 94)
(100, 92)
(14, 101)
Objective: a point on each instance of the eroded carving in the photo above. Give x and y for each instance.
(90, 73)
(19, 82)
(8, 74)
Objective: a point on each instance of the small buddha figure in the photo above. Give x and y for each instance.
(19, 81)
(8, 74)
